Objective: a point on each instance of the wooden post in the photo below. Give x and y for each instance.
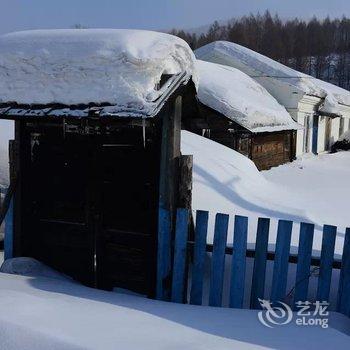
(185, 186)
(168, 185)
(16, 163)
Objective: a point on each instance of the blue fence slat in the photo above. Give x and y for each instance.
(218, 260)
(326, 262)
(164, 255)
(199, 257)
(304, 261)
(238, 262)
(280, 267)
(259, 270)
(180, 255)
(343, 305)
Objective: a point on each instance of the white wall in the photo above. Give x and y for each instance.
(321, 134)
(335, 130)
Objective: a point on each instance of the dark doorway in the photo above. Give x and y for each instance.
(91, 203)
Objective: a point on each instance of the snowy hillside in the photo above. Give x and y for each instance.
(227, 182)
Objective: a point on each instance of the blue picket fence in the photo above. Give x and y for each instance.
(190, 256)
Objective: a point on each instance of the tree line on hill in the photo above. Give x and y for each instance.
(320, 48)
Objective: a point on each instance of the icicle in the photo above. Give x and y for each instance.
(144, 132)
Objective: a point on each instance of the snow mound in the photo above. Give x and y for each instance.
(228, 182)
(260, 66)
(70, 67)
(345, 136)
(46, 314)
(240, 98)
(30, 267)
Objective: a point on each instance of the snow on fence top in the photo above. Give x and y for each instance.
(260, 66)
(92, 66)
(240, 98)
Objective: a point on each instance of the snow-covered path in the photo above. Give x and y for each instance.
(44, 313)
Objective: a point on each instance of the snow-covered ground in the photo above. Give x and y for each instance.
(313, 189)
(46, 313)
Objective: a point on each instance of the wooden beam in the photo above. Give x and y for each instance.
(168, 190)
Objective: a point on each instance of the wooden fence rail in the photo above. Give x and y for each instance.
(193, 254)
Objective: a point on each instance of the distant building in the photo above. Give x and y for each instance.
(322, 108)
(237, 112)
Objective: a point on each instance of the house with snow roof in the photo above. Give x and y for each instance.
(236, 111)
(98, 117)
(322, 108)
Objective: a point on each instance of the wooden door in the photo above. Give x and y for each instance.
(90, 206)
(128, 206)
(58, 228)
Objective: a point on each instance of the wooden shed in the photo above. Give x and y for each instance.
(239, 113)
(92, 175)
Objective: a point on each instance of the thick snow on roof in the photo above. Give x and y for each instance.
(240, 98)
(259, 66)
(118, 67)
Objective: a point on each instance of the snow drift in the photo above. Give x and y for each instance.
(70, 67)
(228, 182)
(240, 98)
(259, 66)
(45, 313)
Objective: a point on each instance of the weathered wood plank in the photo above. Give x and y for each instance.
(259, 270)
(8, 242)
(326, 262)
(199, 257)
(343, 305)
(168, 190)
(185, 186)
(306, 236)
(218, 260)
(238, 262)
(180, 256)
(164, 255)
(280, 267)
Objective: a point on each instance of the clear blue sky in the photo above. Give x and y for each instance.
(151, 14)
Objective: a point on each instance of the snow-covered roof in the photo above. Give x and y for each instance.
(240, 98)
(259, 66)
(116, 67)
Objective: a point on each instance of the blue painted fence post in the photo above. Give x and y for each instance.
(344, 281)
(304, 261)
(280, 267)
(218, 260)
(259, 270)
(199, 257)
(8, 242)
(164, 255)
(180, 256)
(238, 266)
(326, 263)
